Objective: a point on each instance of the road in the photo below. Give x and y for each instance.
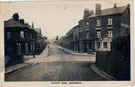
(58, 66)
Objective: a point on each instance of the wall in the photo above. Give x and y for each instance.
(117, 61)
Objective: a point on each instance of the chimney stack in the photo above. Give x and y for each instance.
(91, 12)
(128, 5)
(115, 5)
(98, 9)
(86, 13)
(22, 21)
(16, 16)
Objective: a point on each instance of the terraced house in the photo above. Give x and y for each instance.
(96, 30)
(110, 23)
(20, 39)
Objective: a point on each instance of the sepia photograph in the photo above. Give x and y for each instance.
(67, 42)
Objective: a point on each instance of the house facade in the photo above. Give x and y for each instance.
(20, 38)
(96, 30)
(109, 24)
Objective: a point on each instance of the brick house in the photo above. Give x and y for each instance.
(112, 42)
(76, 38)
(96, 30)
(110, 23)
(20, 39)
(86, 33)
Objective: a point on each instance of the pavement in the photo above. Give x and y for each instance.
(76, 53)
(27, 62)
(56, 64)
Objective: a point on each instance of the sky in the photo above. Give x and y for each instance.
(54, 18)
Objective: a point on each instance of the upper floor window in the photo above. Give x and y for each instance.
(109, 21)
(98, 22)
(87, 34)
(87, 22)
(8, 35)
(110, 33)
(22, 34)
(98, 34)
(80, 34)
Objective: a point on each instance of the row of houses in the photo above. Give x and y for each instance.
(21, 39)
(106, 32)
(96, 30)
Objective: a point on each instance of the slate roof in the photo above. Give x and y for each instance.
(111, 11)
(13, 23)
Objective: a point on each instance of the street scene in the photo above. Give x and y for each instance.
(79, 43)
(59, 65)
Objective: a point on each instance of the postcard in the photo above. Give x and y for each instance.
(67, 43)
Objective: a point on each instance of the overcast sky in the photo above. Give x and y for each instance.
(54, 18)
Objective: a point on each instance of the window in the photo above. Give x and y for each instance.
(109, 21)
(22, 34)
(26, 48)
(98, 34)
(90, 46)
(98, 22)
(80, 34)
(18, 48)
(105, 44)
(110, 33)
(8, 35)
(98, 45)
(87, 34)
(87, 45)
(30, 35)
(87, 22)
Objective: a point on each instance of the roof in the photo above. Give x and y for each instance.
(13, 23)
(111, 11)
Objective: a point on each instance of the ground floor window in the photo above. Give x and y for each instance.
(90, 46)
(98, 45)
(31, 47)
(18, 48)
(105, 44)
(87, 45)
(26, 48)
